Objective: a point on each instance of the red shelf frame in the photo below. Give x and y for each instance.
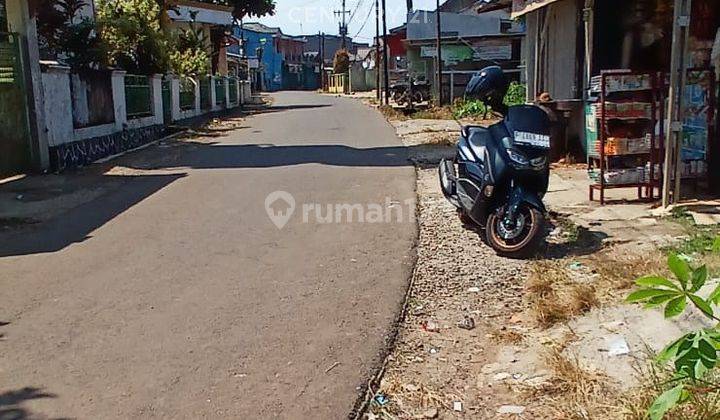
(602, 160)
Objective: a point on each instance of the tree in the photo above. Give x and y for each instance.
(250, 8)
(341, 63)
(63, 34)
(189, 54)
(131, 31)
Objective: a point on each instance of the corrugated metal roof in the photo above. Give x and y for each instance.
(260, 28)
(521, 7)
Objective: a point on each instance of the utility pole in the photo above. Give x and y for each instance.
(377, 51)
(343, 25)
(322, 59)
(439, 55)
(386, 71)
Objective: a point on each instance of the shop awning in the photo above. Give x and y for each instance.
(521, 7)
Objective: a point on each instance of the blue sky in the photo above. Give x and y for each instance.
(297, 17)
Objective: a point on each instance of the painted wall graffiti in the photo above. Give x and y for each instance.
(83, 153)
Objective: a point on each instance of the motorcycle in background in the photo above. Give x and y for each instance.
(410, 92)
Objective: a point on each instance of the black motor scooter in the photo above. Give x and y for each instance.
(500, 174)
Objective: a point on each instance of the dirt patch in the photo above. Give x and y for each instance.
(442, 361)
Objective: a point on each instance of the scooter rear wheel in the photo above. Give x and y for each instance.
(520, 241)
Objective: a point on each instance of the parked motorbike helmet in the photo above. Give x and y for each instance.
(489, 85)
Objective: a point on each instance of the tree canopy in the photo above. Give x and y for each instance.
(250, 8)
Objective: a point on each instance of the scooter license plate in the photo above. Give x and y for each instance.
(532, 139)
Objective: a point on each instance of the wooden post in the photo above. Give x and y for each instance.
(452, 87)
(678, 74)
(589, 19)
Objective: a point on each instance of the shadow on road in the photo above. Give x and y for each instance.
(219, 156)
(75, 225)
(11, 403)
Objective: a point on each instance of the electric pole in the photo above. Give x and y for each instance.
(385, 54)
(439, 56)
(322, 60)
(377, 51)
(343, 25)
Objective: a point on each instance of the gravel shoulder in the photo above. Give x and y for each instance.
(488, 337)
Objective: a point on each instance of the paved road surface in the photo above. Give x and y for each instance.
(175, 296)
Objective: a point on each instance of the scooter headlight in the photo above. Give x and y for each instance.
(518, 157)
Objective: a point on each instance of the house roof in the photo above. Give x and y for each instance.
(260, 28)
(483, 6)
(422, 25)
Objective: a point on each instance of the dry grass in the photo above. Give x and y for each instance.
(554, 297)
(391, 113)
(442, 139)
(434, 113)
(405, 399)
(619, 271)
(575, 392)
(506, 335)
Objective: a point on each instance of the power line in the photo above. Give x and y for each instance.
(357, 7)
(367, 19)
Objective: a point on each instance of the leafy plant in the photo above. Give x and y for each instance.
(249, 8)
(132, 32)
(516, 94)
(471, 108)
(64, 34)
(695, 354)
(189, 52)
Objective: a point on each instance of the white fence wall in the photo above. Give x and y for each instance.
(59, 104)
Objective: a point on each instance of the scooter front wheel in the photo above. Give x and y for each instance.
(520, 240)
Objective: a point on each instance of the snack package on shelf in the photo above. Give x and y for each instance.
(618, 176)
(626, 110)
(627, 83)
(615, 146)
(639, 145)
(694, 169)
(656, 173)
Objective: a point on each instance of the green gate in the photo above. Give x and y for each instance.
(167, 101)
(14, 128)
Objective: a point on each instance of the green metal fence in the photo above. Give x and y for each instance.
(219, 91)
(187, 93)
(233, 88)
(138, 96)
(205, 103)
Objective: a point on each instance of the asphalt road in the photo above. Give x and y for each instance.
(175, 295)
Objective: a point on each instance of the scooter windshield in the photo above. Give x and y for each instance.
(529, 126)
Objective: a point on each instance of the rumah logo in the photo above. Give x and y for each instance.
(280, 207)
